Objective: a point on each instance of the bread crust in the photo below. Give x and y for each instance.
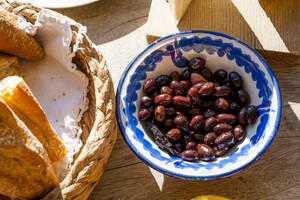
(25, 169)
(9, 66)
(15, 41)
(17, 95)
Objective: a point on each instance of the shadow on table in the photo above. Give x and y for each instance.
(283, 15)
(108, 20)
(279, 31)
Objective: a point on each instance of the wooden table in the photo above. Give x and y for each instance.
(117, 27)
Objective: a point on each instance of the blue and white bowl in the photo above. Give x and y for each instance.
(220, 51)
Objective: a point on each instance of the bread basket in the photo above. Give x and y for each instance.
(98, 122)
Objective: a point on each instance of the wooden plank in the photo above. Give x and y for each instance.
(121, 155)
(276, 171)
(263, 24)
(108, 20)
(291, 193)
(113, 25)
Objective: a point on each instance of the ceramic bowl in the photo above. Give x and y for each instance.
(220, 51)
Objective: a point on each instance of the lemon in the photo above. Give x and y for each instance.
(210, 197)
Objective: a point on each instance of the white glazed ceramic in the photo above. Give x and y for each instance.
(220, 51)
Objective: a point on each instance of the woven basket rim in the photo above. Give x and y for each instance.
(98, 122)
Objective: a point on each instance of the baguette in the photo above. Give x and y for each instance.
(16, 41)
(9, 66)
(17, 95)
(25, 169)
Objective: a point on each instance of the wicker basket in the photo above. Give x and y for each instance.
(99, 124)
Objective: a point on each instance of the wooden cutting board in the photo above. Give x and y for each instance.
(269, 26)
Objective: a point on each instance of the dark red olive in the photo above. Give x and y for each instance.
(222, 127)
(221, 104)
(146, 101)
(243, 96)
(226, 118)
(209, 113)
(198, 85)
(196, 122)
(182, 102)
(161, 80)
(155, 93)
(251, 114)
(192, 92)
(207, 89)
(194, 111)
(239, 132)
(163, 99)
(210, 123)
(187, 139)
(225, 140)
(179, 147)
(177, 88)
(185, 84)
(174, 135)
(220, 152)
(190, 155)
(223, 91)
(151, 109)
(174, 76)
(181, 122)
(206, 103)
(234, 106)
(242, 116)
(235, 80)
(149, 85)
(220, 75)
(159, 113)
(168, 123)
(144, 114)
(209, 138)
(185, 75)
(198, 137)
(196, 64)
(191, 145)
(170, 111)
(206, 152)
(166, 90)
(207, 74)
(196, 78)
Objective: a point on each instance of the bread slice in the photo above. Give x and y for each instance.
(25, 169)
(9, 66)
(17, 95)
(16, 41)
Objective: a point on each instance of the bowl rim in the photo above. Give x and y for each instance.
(178, 175)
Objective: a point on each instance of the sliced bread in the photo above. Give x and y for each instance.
(9, 66)
(16, 41)
(25, 169)
(17, 95)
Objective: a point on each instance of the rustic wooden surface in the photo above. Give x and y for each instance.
(118, 29)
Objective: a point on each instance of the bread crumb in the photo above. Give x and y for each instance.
(54, 99)
(63, 126)
(64, 94)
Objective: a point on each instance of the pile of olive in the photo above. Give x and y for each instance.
(200, 114)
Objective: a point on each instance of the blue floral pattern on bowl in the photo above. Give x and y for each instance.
(172, 53)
